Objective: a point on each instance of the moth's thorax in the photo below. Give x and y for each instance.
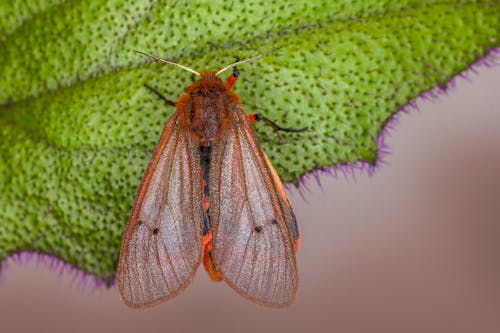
(207, 108)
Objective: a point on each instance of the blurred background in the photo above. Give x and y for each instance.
(414, 248)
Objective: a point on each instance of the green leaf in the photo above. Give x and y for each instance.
(77, 127)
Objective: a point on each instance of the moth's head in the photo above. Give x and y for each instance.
(209, 76)
(208, 82)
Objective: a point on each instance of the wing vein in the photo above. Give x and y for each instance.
(178, 246)
(159, 261)
(138, 271)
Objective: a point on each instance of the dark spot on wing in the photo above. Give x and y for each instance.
(258, 228)
(155, 231)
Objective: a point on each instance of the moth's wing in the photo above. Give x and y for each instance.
(162, 245)
(252, 241)
(285, 203)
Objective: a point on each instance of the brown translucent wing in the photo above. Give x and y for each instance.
(162, 245)
(285, 203)
(252, 243)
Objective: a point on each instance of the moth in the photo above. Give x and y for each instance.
(211, 195)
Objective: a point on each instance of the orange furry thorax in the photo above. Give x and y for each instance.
(206, 108)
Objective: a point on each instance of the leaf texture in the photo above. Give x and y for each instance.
(77, 127)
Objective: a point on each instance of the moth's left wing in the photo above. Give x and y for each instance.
(162, 244)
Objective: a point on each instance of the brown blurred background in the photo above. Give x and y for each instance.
(415, 248)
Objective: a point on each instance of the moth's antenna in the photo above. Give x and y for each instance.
(248, 60)
(169, 62)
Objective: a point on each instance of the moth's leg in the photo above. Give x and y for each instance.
(231, 80)
(255, 117)
(157, 93)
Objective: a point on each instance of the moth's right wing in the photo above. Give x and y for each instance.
(285, 204)
(254, 226)
(162, 246)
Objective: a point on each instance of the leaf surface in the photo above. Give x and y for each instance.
(77, 127)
